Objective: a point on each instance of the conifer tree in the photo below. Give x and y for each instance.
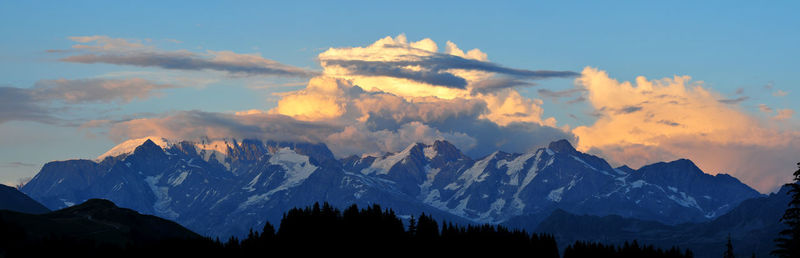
(412, 227)
(788, 244)
(729, 248)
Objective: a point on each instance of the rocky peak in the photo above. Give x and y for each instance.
(562, 146)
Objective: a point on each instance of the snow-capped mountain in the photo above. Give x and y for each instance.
(503, 185)
(224, 187)
(217, 190)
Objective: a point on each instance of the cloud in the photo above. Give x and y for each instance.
(677, 118)
(199, 124)
(559, 94)
(780, 93)
(764, 108)
(628, 109)
(734, 101)
(421, 63)
(21, 105)
(38, 103)
(96, 90)
(103, 49)
(784, 114)
(16, 165)
(408, 69)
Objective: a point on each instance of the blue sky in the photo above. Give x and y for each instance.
(739, 50)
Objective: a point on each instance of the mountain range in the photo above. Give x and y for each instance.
(223, 188)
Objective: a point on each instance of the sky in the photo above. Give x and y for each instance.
(630, 81)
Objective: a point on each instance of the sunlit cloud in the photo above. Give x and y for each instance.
(655, 120)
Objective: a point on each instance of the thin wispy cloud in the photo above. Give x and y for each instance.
(104, 49)
(40, 103)
(734, 101)
(559, 94)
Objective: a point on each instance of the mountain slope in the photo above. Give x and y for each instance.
(752, 226)
(13, 200)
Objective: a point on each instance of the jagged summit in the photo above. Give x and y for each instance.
(129, 146)
(562, 146)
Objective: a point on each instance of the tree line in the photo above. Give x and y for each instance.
(322, 229)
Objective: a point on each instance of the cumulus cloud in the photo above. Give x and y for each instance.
(104, 49)
(676, 118)
(414, 63)
(476, 77)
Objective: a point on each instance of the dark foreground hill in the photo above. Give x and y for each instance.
(95, 227)
(14, 200)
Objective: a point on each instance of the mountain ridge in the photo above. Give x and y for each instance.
(251, 181)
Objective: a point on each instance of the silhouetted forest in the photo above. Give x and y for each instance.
(325, 230)
(627, 250)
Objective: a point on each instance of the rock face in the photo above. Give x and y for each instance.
(226, 187)
(13, 200)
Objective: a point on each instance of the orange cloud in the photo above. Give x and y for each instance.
(654, 120)
(395, 62)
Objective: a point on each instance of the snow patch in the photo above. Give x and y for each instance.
(638, 183)
(430, 152)
(250, 186)
(297, 166)
(555, 195)
(176, 181)
(381, 166)
(161, 206)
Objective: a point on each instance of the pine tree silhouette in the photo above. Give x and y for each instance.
(788, 243)
(729, 249)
